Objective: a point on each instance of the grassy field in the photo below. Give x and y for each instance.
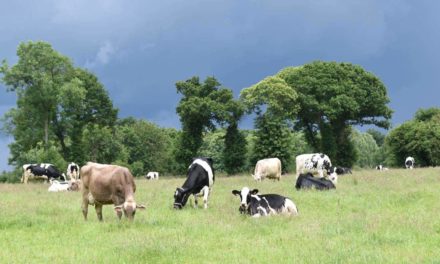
(373, 217)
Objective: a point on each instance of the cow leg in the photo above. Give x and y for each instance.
(98, 209)
(85, 203)
(205, 196)
(196, 202)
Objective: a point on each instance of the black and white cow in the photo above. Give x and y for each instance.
(316, 163)
(264, 204)
(43, 170)
(73, 171)
(307, 181)
(343, 170)
(152, 175)
(380, 167)
(409, 163)
(198, 183)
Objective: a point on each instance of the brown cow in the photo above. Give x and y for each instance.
(108, 184)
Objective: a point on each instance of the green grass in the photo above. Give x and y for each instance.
(373, 217)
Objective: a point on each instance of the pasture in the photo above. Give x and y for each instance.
(372, 217)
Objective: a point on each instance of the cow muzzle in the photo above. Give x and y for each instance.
(177, 206)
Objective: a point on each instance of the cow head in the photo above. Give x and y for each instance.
(256, 177)
(180, 198)
(129, 208)
(245, 197)
(332, 174)
(74, 185)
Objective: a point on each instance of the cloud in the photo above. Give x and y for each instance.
(105, 52)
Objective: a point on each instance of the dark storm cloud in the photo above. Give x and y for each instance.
(139, 49)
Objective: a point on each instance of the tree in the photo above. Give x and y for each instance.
(274, 103)
(377, 135)
(234, 153)
(55, 102)
(203, 105)
(334, 96)
(145, 143)
(418, 138)
(366, 149)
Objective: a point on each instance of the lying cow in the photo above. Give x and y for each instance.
(152, 175)
(264, 204)
(380, 167)
(343, 170)
(73, 171)
(267, 168)
(57, 186)
(409, 163)
(198, 183)
(45, 171)
(307, 181)
(316, 163)
(108, 184)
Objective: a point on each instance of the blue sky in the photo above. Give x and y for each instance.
(139, 49)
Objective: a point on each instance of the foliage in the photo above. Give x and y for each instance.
(332, 97)
(234, 153)
(213, 146)
(146, 145)
(274, 103)
(201, 107)
(55, 102)
(418, 138)
(101, 145)
(377, 135)
(366, 149)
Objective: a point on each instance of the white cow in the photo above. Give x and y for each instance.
(270, 168)
(152, 175)
(409, 163)
(57, 186)
(316, 163)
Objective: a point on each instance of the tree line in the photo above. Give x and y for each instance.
(65, 114)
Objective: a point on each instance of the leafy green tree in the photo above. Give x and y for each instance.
(101, 145)
(333, 96)
(55, 102)
(203, 105)
(377, 135)
(146, 145)
(234, 153)
(366, 149)
(275, 103)
(49, 153)
(213, 146)
(418, 138)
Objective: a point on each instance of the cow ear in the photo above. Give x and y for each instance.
(235, 192)
(254, 191)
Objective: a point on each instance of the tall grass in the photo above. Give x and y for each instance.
(372, 217)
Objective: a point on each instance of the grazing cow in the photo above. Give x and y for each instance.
(73, 171)
(108, 184)
(264, 204)
(198, 183)
(343, 170)
(316, 162)
(152, 175)
(409, 163)
(57, 186)
(307, 181)
(43, 170)
(267, 168)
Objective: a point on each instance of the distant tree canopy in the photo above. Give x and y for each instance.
(332, 97)
(203, 105)
(275, 103)
(55, 103)
(419, 138)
